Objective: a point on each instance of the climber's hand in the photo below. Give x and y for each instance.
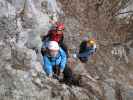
(60, 77)
(50, 77)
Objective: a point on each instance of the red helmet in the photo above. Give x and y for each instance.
(60, 26)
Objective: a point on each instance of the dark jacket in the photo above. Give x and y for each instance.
(85, 51)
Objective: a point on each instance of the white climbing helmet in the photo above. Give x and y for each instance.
(53, 45)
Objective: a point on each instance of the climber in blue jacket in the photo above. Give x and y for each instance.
(55, 62)
(53, 58)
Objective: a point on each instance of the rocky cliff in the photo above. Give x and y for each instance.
(23, 22)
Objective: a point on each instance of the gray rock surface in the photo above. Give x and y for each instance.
(108, 77)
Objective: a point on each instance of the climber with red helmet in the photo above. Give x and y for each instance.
(57, 35)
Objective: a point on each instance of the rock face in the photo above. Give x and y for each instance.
(22, 22)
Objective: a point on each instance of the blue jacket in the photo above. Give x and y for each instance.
(50, 62)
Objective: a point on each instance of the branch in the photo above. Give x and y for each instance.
(123, 13)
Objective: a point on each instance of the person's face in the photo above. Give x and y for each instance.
(53, 53)
(59, 31)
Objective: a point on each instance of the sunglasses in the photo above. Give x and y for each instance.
(59, 30)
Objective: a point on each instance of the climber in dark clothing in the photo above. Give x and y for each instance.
(87, 49)
(56, 35)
